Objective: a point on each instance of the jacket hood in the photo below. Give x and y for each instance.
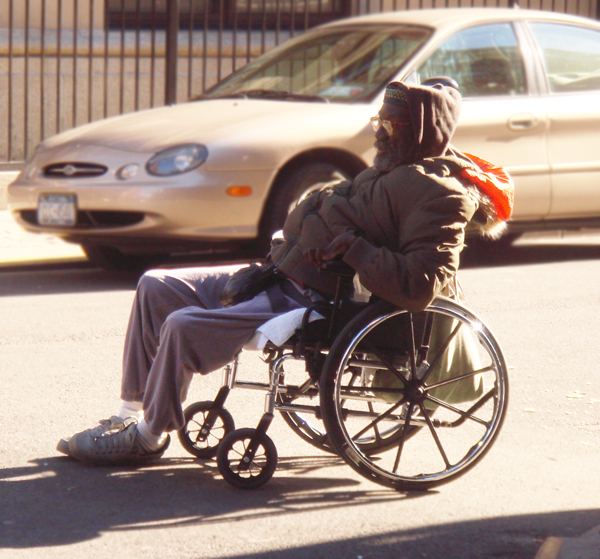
(434, 112)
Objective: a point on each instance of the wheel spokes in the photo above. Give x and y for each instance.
(443, 348)
(423, 443)
(468, 414)
(402, 439)
(435, 436)
(378, 419)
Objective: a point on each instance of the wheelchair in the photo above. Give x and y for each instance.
(408, 400)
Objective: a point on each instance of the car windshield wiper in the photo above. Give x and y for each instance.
(268, 94)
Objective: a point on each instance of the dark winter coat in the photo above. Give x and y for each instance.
(410, 224)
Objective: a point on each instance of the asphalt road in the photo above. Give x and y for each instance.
(61, 334)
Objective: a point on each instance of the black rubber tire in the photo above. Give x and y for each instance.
(292, 189)
(111, 258)
(491, 403)
(231, 452)
(208, 447)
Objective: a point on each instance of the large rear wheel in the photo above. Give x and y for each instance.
(431, 389)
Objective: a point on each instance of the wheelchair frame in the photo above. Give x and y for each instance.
(383, 409)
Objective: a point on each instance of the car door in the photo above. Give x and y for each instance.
(502, 119)
(571, 57)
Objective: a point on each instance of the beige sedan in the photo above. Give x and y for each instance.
(221, 172)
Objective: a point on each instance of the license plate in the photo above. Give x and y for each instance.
(57, 209)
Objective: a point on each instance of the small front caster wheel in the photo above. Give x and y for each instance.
(204, 429)
(247, 458)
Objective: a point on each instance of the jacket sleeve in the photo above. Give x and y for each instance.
(294, 222)
(312, 203)
(431, 237)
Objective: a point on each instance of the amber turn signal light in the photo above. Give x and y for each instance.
(239, 191)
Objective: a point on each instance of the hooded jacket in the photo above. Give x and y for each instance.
(410, 222)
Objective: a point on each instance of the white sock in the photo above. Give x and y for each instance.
(148, 439)
(131, 409)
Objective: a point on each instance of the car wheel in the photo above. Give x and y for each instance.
(111, 258)
(294, 187)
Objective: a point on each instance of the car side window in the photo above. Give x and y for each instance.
(571, 56)
(484, 60)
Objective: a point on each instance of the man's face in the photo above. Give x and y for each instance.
(394, 149)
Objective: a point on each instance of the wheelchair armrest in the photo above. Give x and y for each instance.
(337, 268)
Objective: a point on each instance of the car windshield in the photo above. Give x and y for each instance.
(341, 64)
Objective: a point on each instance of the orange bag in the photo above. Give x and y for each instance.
(495, 182)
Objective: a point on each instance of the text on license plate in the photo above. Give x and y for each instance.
(57, 209)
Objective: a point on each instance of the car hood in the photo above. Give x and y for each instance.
(214, 122)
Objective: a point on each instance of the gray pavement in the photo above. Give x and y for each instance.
(18, 248)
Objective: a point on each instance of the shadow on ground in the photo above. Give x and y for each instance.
(57, 502)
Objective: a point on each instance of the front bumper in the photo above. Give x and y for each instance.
(192, 206)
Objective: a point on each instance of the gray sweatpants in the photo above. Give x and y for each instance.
(177, 328)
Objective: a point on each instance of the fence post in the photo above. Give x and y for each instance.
(171, 54)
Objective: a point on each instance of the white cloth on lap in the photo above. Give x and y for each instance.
(280, 329)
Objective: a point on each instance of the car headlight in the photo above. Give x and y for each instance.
(177, 160)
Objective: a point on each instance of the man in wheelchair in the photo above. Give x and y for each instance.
(399, 225)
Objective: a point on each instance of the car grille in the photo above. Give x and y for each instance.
(74, 170)
(93, 219)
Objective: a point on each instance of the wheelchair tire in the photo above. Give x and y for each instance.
(443, 416)
(198, 437)
(247, 458)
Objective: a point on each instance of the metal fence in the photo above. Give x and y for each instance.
(64, 63)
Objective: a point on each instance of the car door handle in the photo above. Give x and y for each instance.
(524, 121)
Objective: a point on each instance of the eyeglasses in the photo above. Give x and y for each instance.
(388, 125)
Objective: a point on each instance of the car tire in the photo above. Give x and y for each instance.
(111, 258)
(292, 189)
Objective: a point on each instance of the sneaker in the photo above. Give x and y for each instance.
(105, 425)
(114, 447)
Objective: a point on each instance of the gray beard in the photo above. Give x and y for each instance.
(386, 162)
